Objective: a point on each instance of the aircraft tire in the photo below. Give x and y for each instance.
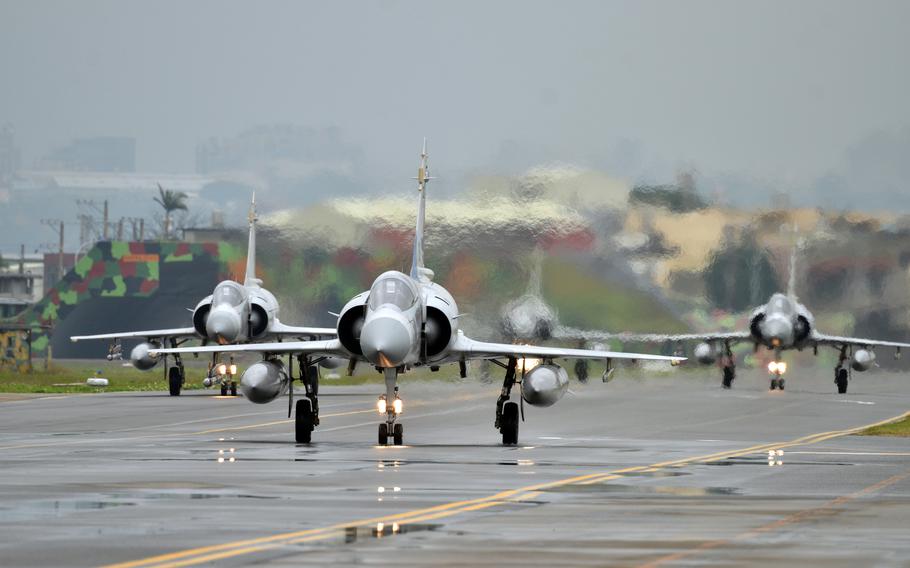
(509, 423)
(841, 381)
(398, 434)
(780, 384)
(233, 388)
(773, 384)
(303, 422)
(383, 434)
(729, 375)
(174, 381)
(224, 390)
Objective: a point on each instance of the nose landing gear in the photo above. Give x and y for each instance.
(390, 428)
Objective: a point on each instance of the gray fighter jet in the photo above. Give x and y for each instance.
(233, 313)
(405, 321)
(781, 324)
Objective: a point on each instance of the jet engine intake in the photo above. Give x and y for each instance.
(438, 330)
(259, 319)
(863, 359)
(350, 324)
(264, 381)
(544, 385)
(755, 326)
(705, 353)
(802, 329)
(140, 357)
(201, 316)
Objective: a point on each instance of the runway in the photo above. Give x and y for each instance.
(637, 472)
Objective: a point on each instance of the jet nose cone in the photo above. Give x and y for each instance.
(385, 340)
(779, 332)
(223, 326)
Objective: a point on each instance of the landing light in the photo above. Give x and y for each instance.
(233, 369)
(777, 367)
(397, 406)
(381, 406)
(526, 364)
(222, 369)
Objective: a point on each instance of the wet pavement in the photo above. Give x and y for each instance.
(657, 471)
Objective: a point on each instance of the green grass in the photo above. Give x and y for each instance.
(900, 428)
(62, 377)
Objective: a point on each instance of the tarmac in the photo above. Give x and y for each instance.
(662, 471)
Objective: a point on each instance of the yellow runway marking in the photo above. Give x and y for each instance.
(211, 553)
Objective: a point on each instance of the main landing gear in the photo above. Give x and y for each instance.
(176, 375)
(507, 411)
(841, 375)
(306, 416)
(728, 364)
(390, 428)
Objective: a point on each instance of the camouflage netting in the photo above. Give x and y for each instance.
(110, 289)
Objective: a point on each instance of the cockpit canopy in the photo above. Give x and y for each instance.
(781, 304)
(393, 288)
(228, 294)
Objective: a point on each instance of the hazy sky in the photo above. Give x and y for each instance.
(779, 90)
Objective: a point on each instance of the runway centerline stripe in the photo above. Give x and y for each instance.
(211, 553)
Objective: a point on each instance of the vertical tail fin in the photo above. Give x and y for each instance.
(250, 278)
(791, 282)
(418, 270)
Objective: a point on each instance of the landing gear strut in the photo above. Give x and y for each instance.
(389, 428)
(841, 375)
(729, 367)
(506, 410)
(306, 416)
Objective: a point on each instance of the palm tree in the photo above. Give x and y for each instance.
(170, 201)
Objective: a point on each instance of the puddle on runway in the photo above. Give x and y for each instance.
(384, 530)
(54, 509)
(654, 474)
(649, 489)
(36, 510)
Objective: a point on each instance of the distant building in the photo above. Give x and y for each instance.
(52, 273)
(281, 149)
(99, 154)
(21, 285)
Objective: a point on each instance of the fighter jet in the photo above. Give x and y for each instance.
(783, 323)
(233, 313)
(406, 321)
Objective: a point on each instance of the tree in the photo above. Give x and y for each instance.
(170, 201)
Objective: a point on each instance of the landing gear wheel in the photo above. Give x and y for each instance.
(774, 384)
(303, 422)
(729, 375)
(233, 388)
(398, 434)
(224, 390)
(780, 384)
(174, 380)
(383, 434)
(509, 424)
(840, 379)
